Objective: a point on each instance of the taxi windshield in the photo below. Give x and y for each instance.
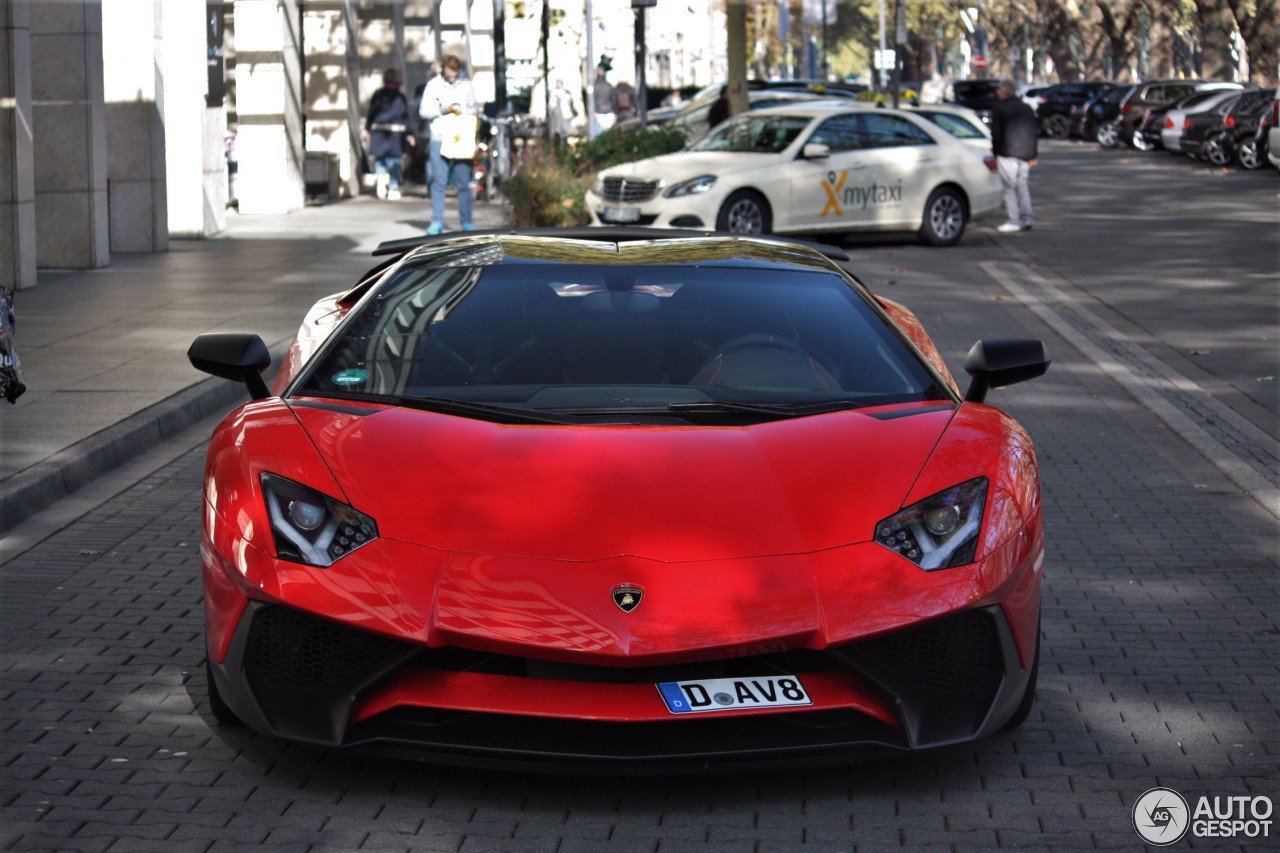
(754, 134)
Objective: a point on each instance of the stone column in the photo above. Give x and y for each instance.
(195, 133)
(332, 94)
(17, 169)
(70, 134)
(132, 52)
(269, 140)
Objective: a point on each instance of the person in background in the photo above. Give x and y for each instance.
(602, 99)
(1015, 134)
(387, 132)
(562, 113)
(448, 93)
(720, 109)
(624, 101)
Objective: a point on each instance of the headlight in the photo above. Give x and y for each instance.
(312, 528)
(598, 186)
(940, 531)
(693, 186)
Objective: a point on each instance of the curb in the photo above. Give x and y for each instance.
(43, 484)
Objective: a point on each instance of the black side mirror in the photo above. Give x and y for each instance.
(1003, 362)
(238, 357)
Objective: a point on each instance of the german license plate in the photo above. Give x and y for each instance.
(733, 694)
(621, 214)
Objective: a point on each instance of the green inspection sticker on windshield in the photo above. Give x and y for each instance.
(350, 377)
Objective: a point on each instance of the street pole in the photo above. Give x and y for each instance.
(590, 74)
(500, 55)
(880, 61)
(642, 96)
(826, 65)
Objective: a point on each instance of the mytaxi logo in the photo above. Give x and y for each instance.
(833, 186)
(860, 197)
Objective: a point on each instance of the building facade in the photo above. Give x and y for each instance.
(124, 123)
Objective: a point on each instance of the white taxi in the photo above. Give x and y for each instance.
(820, 167)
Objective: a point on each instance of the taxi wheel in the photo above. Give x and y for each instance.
(744, 212)
(945, 217)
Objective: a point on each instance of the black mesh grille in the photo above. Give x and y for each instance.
(629, 189)
(953, 654)
(289, 649)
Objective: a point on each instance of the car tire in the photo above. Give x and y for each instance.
(217, 706)
(1109, 134)
(1028, 698)
(1216, 150)
(945, 217)
(744, 212)
(1249, 155)
(1057, 126)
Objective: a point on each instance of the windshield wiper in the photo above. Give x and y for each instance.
(485, 411)
(448, 406)
(774, 410)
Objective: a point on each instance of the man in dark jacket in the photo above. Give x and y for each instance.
(387, 129)
(1015, 134)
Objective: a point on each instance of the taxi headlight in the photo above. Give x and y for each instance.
(693, 186)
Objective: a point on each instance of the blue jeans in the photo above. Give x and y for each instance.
(443, 173)
(389, 166)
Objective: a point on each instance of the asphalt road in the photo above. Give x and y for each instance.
(1160, 630)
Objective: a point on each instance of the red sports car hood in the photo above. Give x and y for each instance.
(664, 493)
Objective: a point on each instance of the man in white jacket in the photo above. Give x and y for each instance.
(448, 94)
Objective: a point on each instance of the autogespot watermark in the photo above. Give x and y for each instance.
(1162, 817)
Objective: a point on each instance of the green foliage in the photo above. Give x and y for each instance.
(549, 189)
(623, 146)
(546, 192)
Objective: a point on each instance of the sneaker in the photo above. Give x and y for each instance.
(1026, 226)
(435, 228)
(380, 188)
(1009, 228)
(393, 194)
(467, 226)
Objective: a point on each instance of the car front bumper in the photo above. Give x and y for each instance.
(943, 681)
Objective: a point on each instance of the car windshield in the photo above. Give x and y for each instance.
(574, 339)
(953, 124)
(754, 134)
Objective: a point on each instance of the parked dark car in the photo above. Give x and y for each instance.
(1098, 116)
(1056, 103)
(1252, 151)
(1152, 95)
(978, 95)
(1170, 133)
(1218, 134)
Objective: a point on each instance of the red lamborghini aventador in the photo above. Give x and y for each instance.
(619, 499)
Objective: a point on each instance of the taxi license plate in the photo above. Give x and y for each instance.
(733, 694)
(621, 214)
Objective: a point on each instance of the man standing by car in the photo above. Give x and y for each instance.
(1015, 134)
